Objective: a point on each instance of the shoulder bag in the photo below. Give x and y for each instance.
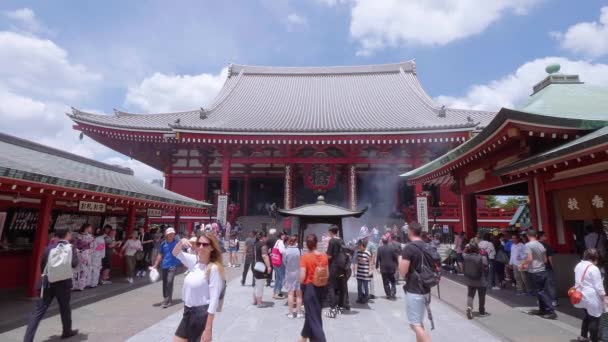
(258, 266)
(575, 294)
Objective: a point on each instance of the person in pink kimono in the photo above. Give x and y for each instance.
(83, 245)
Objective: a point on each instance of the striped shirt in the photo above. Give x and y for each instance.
(363, 265)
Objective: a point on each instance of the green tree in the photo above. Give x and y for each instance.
(513, 202)
(492, 201)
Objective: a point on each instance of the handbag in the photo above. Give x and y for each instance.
(576, 296)
(502, 257)
(276, 258)
(139, 255)
(258, 266)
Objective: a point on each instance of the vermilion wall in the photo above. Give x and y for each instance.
(189, 186)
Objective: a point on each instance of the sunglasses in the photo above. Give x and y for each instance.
(202, 244)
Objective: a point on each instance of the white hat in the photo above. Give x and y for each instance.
(169, 231)
(272, 231)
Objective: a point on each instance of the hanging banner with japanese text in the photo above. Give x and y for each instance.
(222, 208)
(422, 211)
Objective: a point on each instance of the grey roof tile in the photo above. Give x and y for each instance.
(376, 98)
(26, 160)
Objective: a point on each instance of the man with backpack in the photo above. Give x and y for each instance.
(419, 265)
(339, 262)
(58, 262)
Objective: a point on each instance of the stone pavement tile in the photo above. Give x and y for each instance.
(382, 320)
(510, 322)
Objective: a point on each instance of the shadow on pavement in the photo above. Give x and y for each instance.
(77, 338)
(508, 297)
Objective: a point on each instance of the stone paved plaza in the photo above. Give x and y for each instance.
(380, 321)
(134, 315)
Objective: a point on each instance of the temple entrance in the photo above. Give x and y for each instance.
(264, 192)
(379, 192)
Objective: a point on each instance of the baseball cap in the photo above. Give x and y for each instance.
(169, 231)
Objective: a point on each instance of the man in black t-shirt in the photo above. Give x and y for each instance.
(337, 287)
(415, 293)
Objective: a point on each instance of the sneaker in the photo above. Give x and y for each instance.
(484, 314)
(521, 294)
(130, 280)
(555, 303)
(69, 334)
(552, 315)
(496, 288)
(371, 297)
(300, 315)
(469, 312)
(536, 313)
(105, 282)
(291, 315)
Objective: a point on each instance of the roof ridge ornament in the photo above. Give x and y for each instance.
(203, 113)
(441, 112)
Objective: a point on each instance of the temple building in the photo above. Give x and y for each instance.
(553, 149)
(286, 135)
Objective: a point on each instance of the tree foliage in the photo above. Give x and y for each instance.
(513, 202)
(492, 201)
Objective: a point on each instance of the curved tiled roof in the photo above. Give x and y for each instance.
(373, 98)
(25, 160)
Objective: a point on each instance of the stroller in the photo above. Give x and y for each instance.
(450, 261)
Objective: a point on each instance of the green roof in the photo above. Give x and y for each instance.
(576, 106)
(570, 101)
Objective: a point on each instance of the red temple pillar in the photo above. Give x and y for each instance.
(288, 189)
(545, 210)
(40, 242)
(131, 220)
(225, 186)
(204, 183)
(532, 190)
(352, 186)
(468, 217)
(176, 221)
(246, 187)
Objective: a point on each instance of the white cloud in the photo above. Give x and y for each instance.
(589, 39)
(25, 19)
(376, 24)
(513, 89)
(296, 19)
(32, 65)
(37, 84)
(166, 93)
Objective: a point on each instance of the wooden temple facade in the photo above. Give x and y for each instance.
(285, 135)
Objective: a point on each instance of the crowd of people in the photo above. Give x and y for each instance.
(310, 278)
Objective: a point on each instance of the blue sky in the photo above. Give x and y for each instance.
(149, 56)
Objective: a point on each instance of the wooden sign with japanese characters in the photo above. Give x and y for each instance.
(92, 206)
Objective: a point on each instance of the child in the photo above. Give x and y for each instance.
(363, 271)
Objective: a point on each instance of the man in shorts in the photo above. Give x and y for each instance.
(415, 293)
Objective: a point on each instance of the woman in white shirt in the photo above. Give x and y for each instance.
(588, 280)
(203, 286)
(129, 249)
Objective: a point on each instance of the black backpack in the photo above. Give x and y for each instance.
(344, 257)
(429, 273)
(472, 267)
